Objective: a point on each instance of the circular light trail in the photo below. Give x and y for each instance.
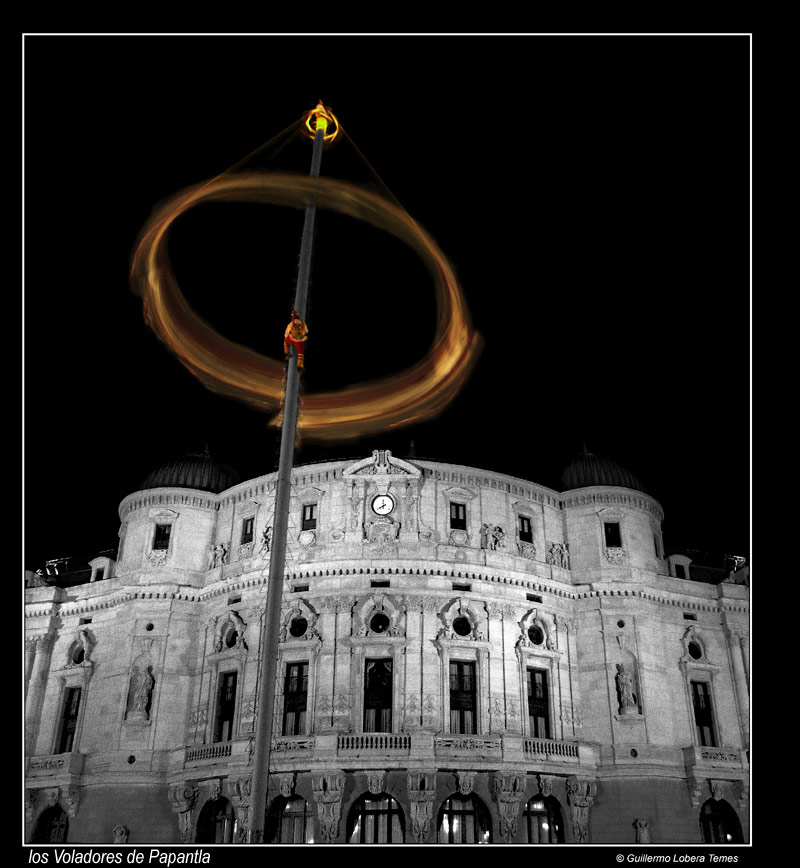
(225, 367)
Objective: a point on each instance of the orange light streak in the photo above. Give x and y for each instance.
(225, 367)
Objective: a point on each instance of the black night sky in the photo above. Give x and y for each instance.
(592, 193)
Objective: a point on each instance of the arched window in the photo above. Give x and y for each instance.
(375, 820)
(543, 821)
(288, 821)
(719, 823)
(51, 827)
(464, 820)
(216, 823)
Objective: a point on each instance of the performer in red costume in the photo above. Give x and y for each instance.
(296, 333)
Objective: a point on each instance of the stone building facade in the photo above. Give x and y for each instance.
(464, 657)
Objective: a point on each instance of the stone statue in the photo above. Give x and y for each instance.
(627, 698)
(121, 834)
(485, 531)
(143, 689)
(497, 537)
(642, 831)
(87, 643)
(217, 556)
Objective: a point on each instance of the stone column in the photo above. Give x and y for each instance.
(744, 644)
(740, 682)
(38, 684)
(30, 656)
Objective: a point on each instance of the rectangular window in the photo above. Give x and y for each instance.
(309, 516)
(295, 699)
(538, 704)
(655, 546)
(525, 529)
(458, 516)
(226, 706)
(613, 537)
(247, 529)
(378, 696)
(703, 717)
(161, 538)
(680, 572)
(463, 707)
(69, 719)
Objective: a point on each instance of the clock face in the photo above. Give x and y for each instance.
(383, 504)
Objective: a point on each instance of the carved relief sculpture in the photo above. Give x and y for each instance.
(183, 798)
(508, 789)
(328, 796)
(121, 834)
(580, 794)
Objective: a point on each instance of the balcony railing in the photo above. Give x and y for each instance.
(292, 743)
(550, 748)
(55, 765)
(374, 742)
(472, 743)
(208, 752)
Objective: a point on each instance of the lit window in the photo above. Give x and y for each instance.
(69, 719)
(247, 530)
(216, 823)
(458, 516)
(161, 537)
(703, 716)
(613, 536)
(719, 823)
(226, 706)
(309, 516)
(462, 697)
(464, 820)
(538, 704)
(378, 696)
(295, 698)
(525, 529)
(287, 821)
(375, 819)
(543, 821)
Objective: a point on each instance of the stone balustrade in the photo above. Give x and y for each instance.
(374, 742)
(55, 765)
(550, 749)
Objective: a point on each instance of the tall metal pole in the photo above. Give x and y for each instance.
(277, 565)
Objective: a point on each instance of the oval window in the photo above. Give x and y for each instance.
(536, 635)
(298, 627)
(462, 626)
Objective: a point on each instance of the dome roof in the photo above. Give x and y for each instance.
(193, 470)
(587, 469)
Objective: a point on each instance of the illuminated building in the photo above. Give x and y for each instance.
(464, 656)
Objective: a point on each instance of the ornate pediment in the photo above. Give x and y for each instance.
(382, 463)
